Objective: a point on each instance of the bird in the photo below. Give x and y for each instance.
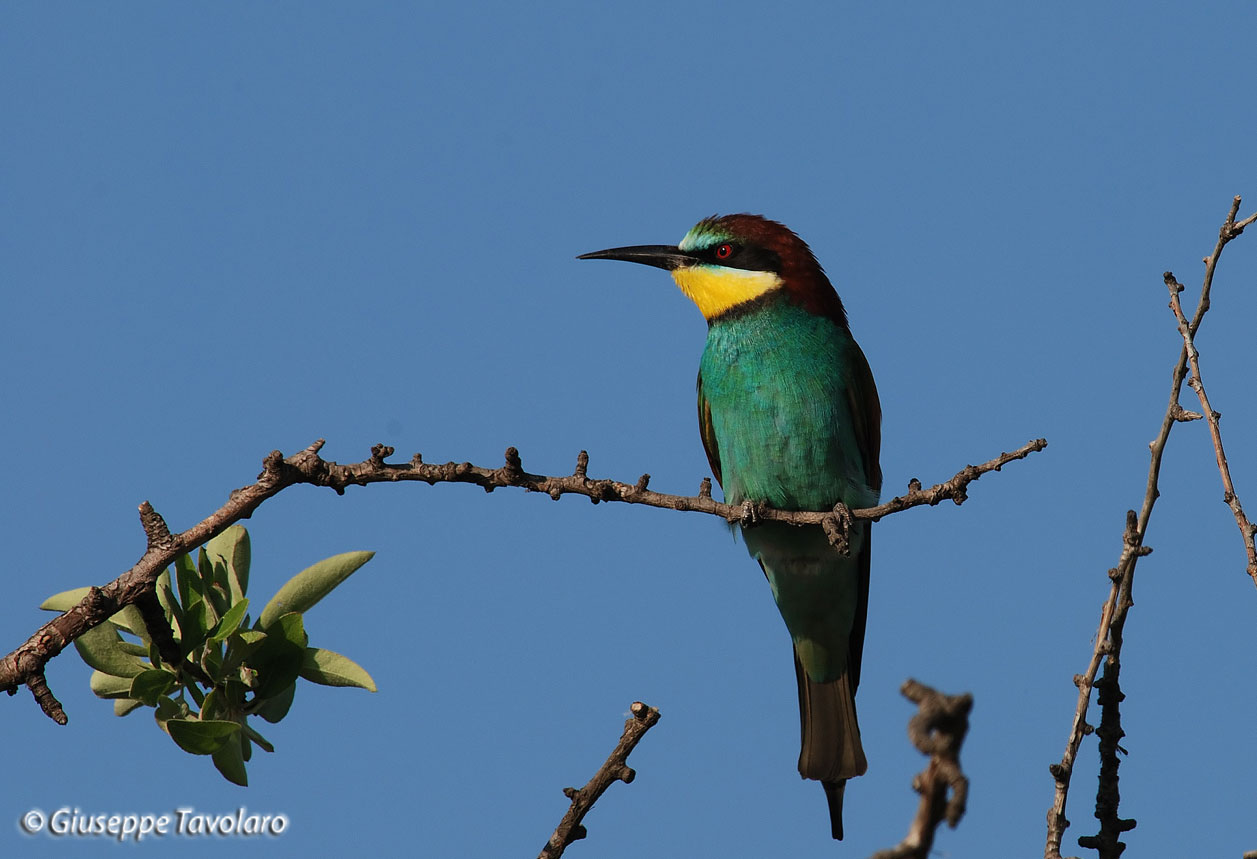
(790, 418)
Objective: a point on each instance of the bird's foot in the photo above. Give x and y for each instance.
(838, 528)
(749, 515)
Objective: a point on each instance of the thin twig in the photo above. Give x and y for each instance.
(47, 701)
(1113, 613)
(278, 473)
(938, 729)
(1197, 384)
(614, 769)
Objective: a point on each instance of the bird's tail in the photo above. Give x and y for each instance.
(831, 751)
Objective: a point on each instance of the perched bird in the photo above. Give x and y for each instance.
(789, 416)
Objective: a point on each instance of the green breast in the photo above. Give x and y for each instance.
(777, 381)
(780, 384)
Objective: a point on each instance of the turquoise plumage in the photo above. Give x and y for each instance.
(789, 416)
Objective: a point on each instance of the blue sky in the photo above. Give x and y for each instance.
(243, 228)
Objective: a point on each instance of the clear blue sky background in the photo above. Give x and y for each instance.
(232, 230)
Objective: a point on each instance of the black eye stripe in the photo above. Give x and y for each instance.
(747, 257)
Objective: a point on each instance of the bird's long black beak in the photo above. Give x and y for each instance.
(660, 256)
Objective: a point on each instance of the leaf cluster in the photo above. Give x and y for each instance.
(230, 668)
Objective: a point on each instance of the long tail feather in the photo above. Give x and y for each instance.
(833, 795)
(831, 751)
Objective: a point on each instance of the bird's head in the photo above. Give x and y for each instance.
(726, 264)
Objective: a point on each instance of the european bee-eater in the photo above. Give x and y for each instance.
(789, 416)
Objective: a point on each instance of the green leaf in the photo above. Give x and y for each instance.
(235, 652)
(240, 644)
(218, 598)
(122, 706)
(163, 581)
(253, 735)
(130, 619)
(148, 686)
(205, 569)
(213, 571)
(292, 627)
(230, 621)
(304, 590)
(278, 658)
(229, 760)
(195, 626)
(166, 596)
(202, 737)
(136, 649)
(110, 686)
(276, 707)
(212, 662)
(167, 709)
(212, 614)
(65, 600)
(235, 692)
(189, 580)
(232, 546)
(101, 648)
(214, 707)
(332, 669)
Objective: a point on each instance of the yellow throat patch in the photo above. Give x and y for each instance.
(715, 288)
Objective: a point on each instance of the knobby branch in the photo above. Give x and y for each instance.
(25, 665)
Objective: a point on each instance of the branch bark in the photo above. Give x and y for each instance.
(26, 663)
(1197, 384)
(614, 769)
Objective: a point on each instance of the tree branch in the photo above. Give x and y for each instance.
(614, 769)
(1108, 638)
(938, 730)
(28, 660)
(1196, 383)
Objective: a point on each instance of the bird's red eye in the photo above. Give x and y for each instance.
(724, 251)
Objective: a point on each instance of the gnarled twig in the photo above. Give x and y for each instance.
(938, 730)
(614, 769)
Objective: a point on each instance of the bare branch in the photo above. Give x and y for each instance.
(938, 730)
(1108, 642)
(1230, 229)
(307, 466)
(614, 769)
(1197, 384)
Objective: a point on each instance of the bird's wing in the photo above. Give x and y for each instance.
(866, 415)
(708, 432)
